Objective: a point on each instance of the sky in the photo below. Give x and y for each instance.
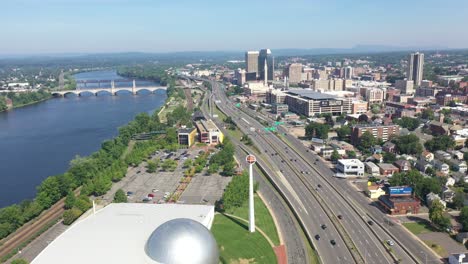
(91, 26)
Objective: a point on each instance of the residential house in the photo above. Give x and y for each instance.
(431, 197)
(427, 156)
(460, 165)
(447, 195)
(376, 157)
(442, 155)
(403, 165)
(372, 169)
(441, 166)
(456, 154)
(438, 128)
(376, 149)
(422, 165)
(387, 169)
(462, 237)
(389, 147)
(450, 182)
(374, 191)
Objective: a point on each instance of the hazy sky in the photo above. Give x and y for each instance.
(58, 26)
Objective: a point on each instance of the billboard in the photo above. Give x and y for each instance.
(401, 190)
(331, 103)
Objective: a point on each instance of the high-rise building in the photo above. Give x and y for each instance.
(348, 72)
(294, 72)
(265, 57)
(415, 68)
(251, 62)
(405, 86)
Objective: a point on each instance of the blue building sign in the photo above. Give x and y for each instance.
(401, 190)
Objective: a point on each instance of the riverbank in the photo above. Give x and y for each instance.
(25, 98)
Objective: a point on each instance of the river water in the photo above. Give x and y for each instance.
(39, 140)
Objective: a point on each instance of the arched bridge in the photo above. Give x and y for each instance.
(112, 90)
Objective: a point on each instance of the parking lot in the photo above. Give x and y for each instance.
(156, 187)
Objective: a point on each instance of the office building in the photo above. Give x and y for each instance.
(280, 108)
(266, 66)
(348, 72)
(294, 73)
(274, 96)
(186, 136)
(350, 167)
(400, 200)
(240, 76)
(251, 63)
(310, 103)
(383, 132)
(360, 107)
(123, 233)
(405, 86)
(415, 68)
(208, 132)
(374, 96)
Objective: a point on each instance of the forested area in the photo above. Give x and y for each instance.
(20, 99)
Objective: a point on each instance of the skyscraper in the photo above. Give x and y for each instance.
(251, 63)
(266, 57)
(348, 72)
(415, 68)
(294, 72)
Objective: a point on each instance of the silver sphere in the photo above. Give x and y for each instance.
(182, 241)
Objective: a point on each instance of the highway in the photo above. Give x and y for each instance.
(316, 206)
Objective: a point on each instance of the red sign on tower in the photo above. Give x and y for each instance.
(251, 159)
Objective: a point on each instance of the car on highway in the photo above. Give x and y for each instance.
(324, 226)
(370, 222)
(319, 185)
(340, 217)
(390, 243)
(333, 242)
(317, 237)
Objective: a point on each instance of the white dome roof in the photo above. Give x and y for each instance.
(182, 241)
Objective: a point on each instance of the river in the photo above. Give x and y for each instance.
(39, 140)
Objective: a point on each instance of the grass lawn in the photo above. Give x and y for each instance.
(237, 245)
(437, 248)
(418, 227)
(263, 219)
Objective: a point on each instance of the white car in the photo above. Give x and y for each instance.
(390, 243)
(155, 190)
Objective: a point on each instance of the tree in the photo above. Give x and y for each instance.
(3, 105)
(169, 165)
(436, 215)
(389, 157)
(427, 114)
(409, 123)
(458, 199)
(363, 118)
(335, 156)
(83, 203)
(442, 142)
(375, 109)
(463, 218)
(151, 166)
(120, 197)
(317, 130)
(188, 163)
(343, 132)
(351, 154)
(237, 192)
(70, 200)
(366, 141)
(69, 216)
(408, 144)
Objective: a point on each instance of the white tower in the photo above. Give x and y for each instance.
(251, 160)
(265, 75)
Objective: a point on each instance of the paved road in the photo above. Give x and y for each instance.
(354, 221)
(287, 224)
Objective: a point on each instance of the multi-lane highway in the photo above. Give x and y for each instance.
(315, 206)
(298, 174)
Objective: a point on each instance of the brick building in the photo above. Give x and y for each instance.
(378, 131)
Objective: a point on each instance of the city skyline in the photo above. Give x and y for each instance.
(84, 26)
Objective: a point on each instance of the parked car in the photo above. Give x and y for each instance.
(317, 237)
(151, 195)
(324, 226)
(333, 242)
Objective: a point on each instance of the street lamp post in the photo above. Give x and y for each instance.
(251, 160)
